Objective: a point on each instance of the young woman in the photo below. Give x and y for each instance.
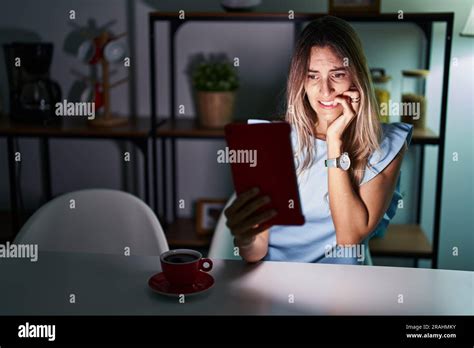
(334, 116)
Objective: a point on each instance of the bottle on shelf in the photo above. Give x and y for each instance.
(382, 87)
(413, 109)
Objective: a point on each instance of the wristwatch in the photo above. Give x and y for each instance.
(343, 162)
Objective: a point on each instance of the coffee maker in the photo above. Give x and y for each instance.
(33, 95)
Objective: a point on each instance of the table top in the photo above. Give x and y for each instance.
(118, 285)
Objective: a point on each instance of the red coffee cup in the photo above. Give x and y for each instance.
(182, 266)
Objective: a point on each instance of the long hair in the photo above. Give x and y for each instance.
(362, 137)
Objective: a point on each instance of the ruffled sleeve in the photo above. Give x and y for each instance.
(393, 137)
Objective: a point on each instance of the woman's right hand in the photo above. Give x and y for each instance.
(243, 221)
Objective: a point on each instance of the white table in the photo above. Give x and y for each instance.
(117, 285)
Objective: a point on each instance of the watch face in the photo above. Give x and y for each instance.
(344, 161)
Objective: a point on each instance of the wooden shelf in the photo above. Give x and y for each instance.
(402, 240)
(182, 234)
(424, 136)
(73, 128)
(188, 128)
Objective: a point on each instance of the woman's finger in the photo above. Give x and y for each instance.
(348, 113)
(259, 219)
(354, 96)
(248, 210)
(240, 201)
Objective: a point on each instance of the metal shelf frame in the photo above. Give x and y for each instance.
(423, 20)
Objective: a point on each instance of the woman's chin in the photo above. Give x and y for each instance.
(328, 115)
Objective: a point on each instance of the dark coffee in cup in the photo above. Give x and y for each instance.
(181, 258)
(182, 266)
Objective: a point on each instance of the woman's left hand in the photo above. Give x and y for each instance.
(350, 101)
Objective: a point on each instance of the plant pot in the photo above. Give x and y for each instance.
(215, 109)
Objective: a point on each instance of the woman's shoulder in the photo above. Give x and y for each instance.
(394, 136)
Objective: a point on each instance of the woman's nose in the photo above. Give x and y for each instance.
(326, 88)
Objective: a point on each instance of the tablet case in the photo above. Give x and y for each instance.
(261, 156)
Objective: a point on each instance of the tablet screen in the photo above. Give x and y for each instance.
(261, 155)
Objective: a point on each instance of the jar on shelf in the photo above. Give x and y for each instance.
(382, 86)
(413, 106)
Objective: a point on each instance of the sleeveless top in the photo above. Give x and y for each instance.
(315, 241)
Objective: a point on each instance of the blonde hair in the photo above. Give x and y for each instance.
(362, 137)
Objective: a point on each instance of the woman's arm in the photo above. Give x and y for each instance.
(356, 214)
(256, 250)
(248, 227)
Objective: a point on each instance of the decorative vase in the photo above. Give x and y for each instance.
(215, 109)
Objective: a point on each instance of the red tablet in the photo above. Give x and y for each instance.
(261, 156)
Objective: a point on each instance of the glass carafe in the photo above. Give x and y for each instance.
(382, 87)
(413, 107)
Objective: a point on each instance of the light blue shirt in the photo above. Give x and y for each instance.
(311, 241)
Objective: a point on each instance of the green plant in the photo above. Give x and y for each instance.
(216, 76)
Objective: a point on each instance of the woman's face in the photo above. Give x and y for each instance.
(326, 78)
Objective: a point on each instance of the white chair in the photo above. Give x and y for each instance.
(222, 244)
(96, 221)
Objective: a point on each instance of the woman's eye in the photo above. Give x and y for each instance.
(339, 75)
(312, 77)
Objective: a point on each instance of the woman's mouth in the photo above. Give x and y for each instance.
(327, 104)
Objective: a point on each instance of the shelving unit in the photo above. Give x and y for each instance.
(136, 131)
(400, 240)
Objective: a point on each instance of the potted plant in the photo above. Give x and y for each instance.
(215, 83)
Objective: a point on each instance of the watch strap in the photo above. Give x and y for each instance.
(331, 163)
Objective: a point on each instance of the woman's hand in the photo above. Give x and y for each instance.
(350, 101)
(243, 221)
